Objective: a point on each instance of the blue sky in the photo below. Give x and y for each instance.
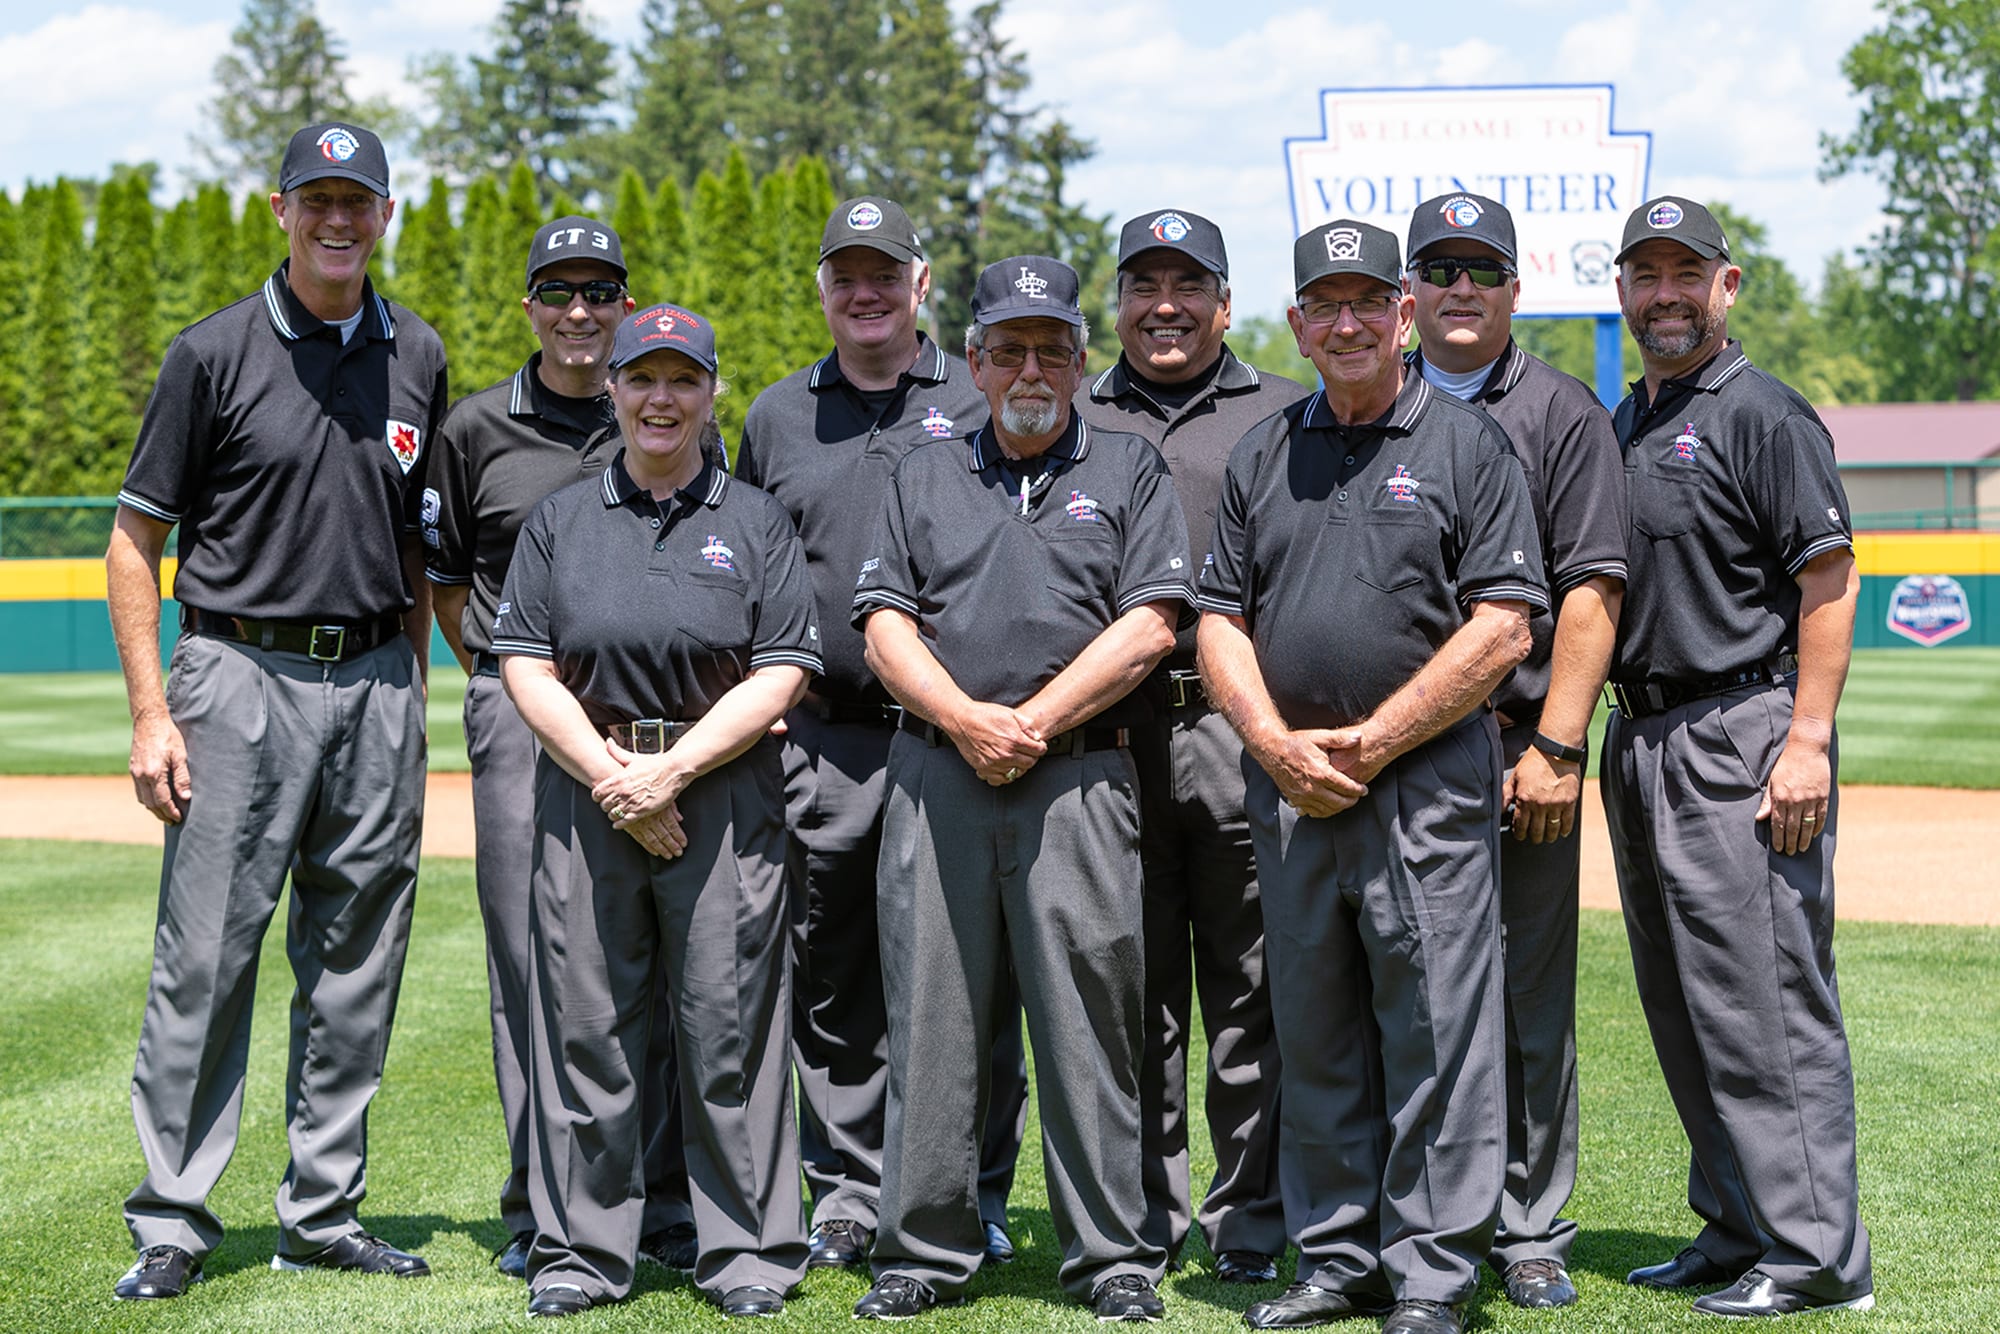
(1189, 103)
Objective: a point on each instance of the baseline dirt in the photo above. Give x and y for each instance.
(1907, 854)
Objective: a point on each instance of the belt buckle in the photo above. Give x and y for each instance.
(317, 653)
(649, 736)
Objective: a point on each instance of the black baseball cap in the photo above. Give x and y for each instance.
(1346, 245)
(1174, 229)
(575, 237)
(335, 148)
(1027, 287)
(1462, 216)
(875, 222)
(664, 328)
(1673, 218)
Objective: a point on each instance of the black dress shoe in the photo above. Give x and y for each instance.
(1758, 1294)
(1421, 1317)
(1127, 1297)
(1304, 1305)
(1689, 1269)
(513, 1261)
(673, 1247)
(838, 1243)
(1539, 1283)
(999, 1246)
(557, 1300)
(1245, 1267)
(752, 1300)
(895, 1297)
(359, 1253)
(160, 1272)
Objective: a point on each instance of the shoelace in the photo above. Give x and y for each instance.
(156, 1257)
(1547, 1270)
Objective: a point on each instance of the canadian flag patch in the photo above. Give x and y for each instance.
(406, 442)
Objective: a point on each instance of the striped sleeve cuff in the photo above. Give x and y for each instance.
(1527, 593)
(1221, 606)
(133, 500)
(523, 648)
(449, 580)
(1167, 590)
(1819, 547)
(787, 657)
(875, 599)
(1569, 579)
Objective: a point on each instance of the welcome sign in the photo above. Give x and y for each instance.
(1549, 153)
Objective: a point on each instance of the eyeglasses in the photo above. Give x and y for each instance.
(1365, 308)
(1444, 272)
(597, 292)
(1010, 355)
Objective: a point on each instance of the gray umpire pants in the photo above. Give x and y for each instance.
(1732, 945)
(316, 769)
(1043, 872)
(1381, 928)
(1205, 931)
(609, 920)
(503, 753)
(834, 781)
(1538, 922)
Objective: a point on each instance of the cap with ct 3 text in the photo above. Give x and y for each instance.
(575, 237)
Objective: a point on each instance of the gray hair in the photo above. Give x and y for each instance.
(975, 335)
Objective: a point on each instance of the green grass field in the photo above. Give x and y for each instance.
(1908, 718)
(76, 920)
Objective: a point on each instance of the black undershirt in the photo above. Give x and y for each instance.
(1174, 396)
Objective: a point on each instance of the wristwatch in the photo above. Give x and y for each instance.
(1555, 749)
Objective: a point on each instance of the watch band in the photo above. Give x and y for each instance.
(1548, 745)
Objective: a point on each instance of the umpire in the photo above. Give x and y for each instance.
(1177, 384)
(1462, 274)
(499, 452)
(1370, 582)
(287, 436)
(1719, 781)
(823, 441)
(1025, 578)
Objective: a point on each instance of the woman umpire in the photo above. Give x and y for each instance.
(655, 623)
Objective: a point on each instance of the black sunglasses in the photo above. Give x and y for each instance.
(597, 292)
(1444, 272)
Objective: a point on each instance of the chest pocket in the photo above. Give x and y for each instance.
(1663, 498)
(713, 608)
(1398, 546)
(1083, 561)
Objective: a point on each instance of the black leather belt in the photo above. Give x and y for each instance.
(840, 711)
(321, 643)
(485, 664)
(1184, 690)
(648, 736)
(1076, 741)
(1642, 699)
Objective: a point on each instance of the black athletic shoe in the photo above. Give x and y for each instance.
(557, 1300)
(753, 1300)
(159, 1272)
(999, 1246)
(513, 1261)
(895, 1297)
(360, 1253)
(838, 1243)
(1127, 1297)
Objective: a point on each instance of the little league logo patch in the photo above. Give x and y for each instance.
(864, 217)
(1591, 262)
(1664, 214)
(1928, 609)
(1402, 486)
(1033, 284)
(936, 424)
(1686, 443)
(718, 554)
(337, 145)
(1081, 507)
(1171, 228)
(1459, 211)
(1343, 243)
(406, 442)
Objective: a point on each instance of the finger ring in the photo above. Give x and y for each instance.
(617, 812)
(1012, 774)
(1809, 819)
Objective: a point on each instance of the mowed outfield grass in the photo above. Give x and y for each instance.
(76, 920)
(1908, 718)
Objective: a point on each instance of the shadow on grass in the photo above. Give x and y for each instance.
(253, 1247)
(1612, 1253)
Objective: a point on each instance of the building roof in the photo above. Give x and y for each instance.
(1914, 432)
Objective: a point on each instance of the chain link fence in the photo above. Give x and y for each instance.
(55, 527)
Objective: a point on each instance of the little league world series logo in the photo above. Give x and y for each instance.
(337, 145)
(1928, 609)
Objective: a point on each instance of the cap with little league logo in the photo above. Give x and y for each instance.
(335, 149)
(1462, 216)
(574, 237)
(1671, 218)
(1178, 230)
(1027, 287)
(1346, 246)
(664, 328)
(874, 222)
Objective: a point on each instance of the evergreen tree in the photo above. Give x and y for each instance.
(176, 263)
(427, 273)
(812, 200)
(123, 307)
(13, 338)
(215, 282)
(632, 219)
(260, 242)
(671, 247)
(54, 426)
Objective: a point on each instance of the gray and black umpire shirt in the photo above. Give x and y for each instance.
(499, 452)
(1733, 489)
(655, 609)
(1011, 567)
(293, 463)
(1576, 482)
(1194, 436)
(825, 449)
(1354, 552)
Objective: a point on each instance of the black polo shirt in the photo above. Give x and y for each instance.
(1576, 482)
(294, 464)
(1354, 552)
(498, 453)
(1008, 599)
(1733, 489)
(651, 609)
(1195, 438)
(813, 441)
